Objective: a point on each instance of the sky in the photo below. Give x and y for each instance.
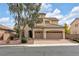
(65, 12)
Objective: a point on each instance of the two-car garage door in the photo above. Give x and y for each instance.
(54, 35)
(49, 35)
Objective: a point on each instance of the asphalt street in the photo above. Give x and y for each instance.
(40, 51)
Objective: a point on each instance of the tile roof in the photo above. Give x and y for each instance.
(2, 27)
(50, 26)
(51, 18)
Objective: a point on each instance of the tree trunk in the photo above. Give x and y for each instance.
(20, 35)
(19, 27)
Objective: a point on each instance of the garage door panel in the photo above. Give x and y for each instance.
(54, 35)
(38, 35)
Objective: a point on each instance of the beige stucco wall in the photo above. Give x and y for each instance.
(1, 32)
(47, 19)
(75, 30)
(53, 22)
(6, 36)
(26, 30)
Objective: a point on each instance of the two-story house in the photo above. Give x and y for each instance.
(48, 28)
(74, 26)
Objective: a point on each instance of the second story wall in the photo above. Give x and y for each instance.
(46, 20)
(50, 21)
(41, 15)
(75, 26)
(53, 21)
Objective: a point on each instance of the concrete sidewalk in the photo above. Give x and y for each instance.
(53, 41)
(42, 45)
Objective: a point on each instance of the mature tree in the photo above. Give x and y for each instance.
(16, 10)
(32, 12)
(67, 29)
(24, 14)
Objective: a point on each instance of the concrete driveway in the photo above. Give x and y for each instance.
(51, 41)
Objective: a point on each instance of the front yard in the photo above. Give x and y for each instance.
(16, 41)
(38, 41)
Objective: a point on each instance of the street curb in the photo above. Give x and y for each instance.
(38, 45)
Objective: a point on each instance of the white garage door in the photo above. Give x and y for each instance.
(54, 35)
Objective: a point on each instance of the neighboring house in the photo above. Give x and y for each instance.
(5, 32)
(48, 28)
(75, 26)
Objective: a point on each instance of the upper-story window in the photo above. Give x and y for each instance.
(54, 22)
(46, 22)
(40, 20)
(76, 25)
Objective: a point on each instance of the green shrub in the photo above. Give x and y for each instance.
(24, 40)
(76, 40)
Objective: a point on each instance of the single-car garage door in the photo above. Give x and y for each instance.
(38, 34)
(54, 35)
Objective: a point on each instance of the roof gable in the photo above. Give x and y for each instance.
(74, 21)
(5, 28)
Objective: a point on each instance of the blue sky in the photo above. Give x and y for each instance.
(5, 16)
(65, 12)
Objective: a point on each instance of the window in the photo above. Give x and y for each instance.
(47, 22)
(54, 22)
(40, 20)
(76, 25)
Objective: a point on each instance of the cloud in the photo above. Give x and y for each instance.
(68, 18)
(56, 13)
(48, 9)
(4, 20)
(75, 9)
(45, 7)
(7, 21)
(71, 16)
